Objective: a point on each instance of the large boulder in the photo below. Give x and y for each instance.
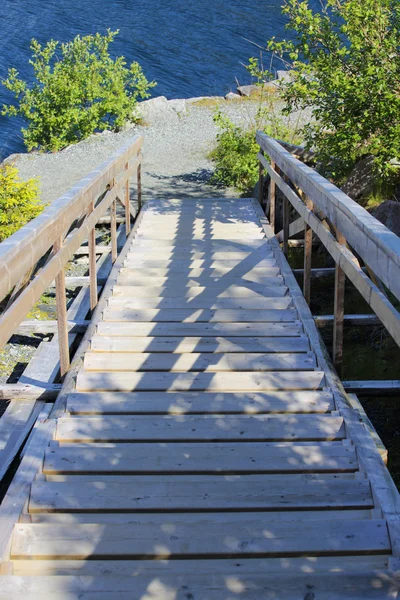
(388, 213)
(157, 109)
(361, 180)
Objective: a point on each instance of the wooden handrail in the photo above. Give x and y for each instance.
(24, 248)
(376, 244)
(342, 227)
(63, 226)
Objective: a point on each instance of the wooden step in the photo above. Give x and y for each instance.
(245, 493)
(204, 428)
(221, 245)
(256, 282)
(198, 302)
(198, 403)
(202, 382)
(241, 270)
(335, 585)
(169, 458)
(183, 264)
(120, 361)
(224, 537)
(216, 567)
(150, 253)
(248, 291)
(180, 345)
(201, 315)
(200, 329)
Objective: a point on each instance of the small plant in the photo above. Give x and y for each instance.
(19, 201)
(235, 155)
(77, 91)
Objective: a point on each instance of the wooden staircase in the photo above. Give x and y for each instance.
(204, 454)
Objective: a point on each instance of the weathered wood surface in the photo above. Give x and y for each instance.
(199, 424)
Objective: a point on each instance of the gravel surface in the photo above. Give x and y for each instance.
(178, 136)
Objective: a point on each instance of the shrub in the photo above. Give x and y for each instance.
(76, 92)
(345, 65)
(235, 155)
(19, 201)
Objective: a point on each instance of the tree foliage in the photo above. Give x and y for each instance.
(19, 201)
(235, 154)
(345, 64)
(78, 89)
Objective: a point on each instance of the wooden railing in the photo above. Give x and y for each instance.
(349, 233)
(36, 256)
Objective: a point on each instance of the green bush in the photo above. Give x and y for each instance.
(235, 155)
(345, 64)
(76, 92)
(19, 201)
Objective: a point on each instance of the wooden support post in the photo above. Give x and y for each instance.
(307, 256)
(61, 307)
(261, 183)
(285, 226)
(338, 312)
(113, 222)
(127, 205)
(92, 263)
(272, 199)
(139, 187)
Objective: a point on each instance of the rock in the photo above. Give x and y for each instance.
(388, 213)
(179, 106)
(361, 180)
(232, 96)
(157, 109)
(284, 76)
(248, 90)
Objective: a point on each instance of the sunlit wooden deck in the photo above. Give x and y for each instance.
(206, 451)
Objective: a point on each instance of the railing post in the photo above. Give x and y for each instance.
(139, 187)
(285, 224)
(127, 205)
(113, 226)
(307, 256)
(272, 199)
(61, 307)
(92, 263)
(261, 182)
(338, 312)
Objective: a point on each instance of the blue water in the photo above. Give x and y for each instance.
(190, 47)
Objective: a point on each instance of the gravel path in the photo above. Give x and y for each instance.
(178, 137)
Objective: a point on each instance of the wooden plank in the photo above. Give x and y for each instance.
(216, 567)
(127, 278)
(61, 305)
(17, 391)
(204, 428)
(180, 345)
(199, 403)
(338, 311)
(308, 235)
(199, 301)
(194, 381)
(207, 258)
(274, 492)
(207, 363)
(202, 315)
(250, 290)
(240, 270)
(200, 329)
(215, 245)
(374, 585)
(101, 541)
(182, 264)
(373, 387)
(234, 459)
